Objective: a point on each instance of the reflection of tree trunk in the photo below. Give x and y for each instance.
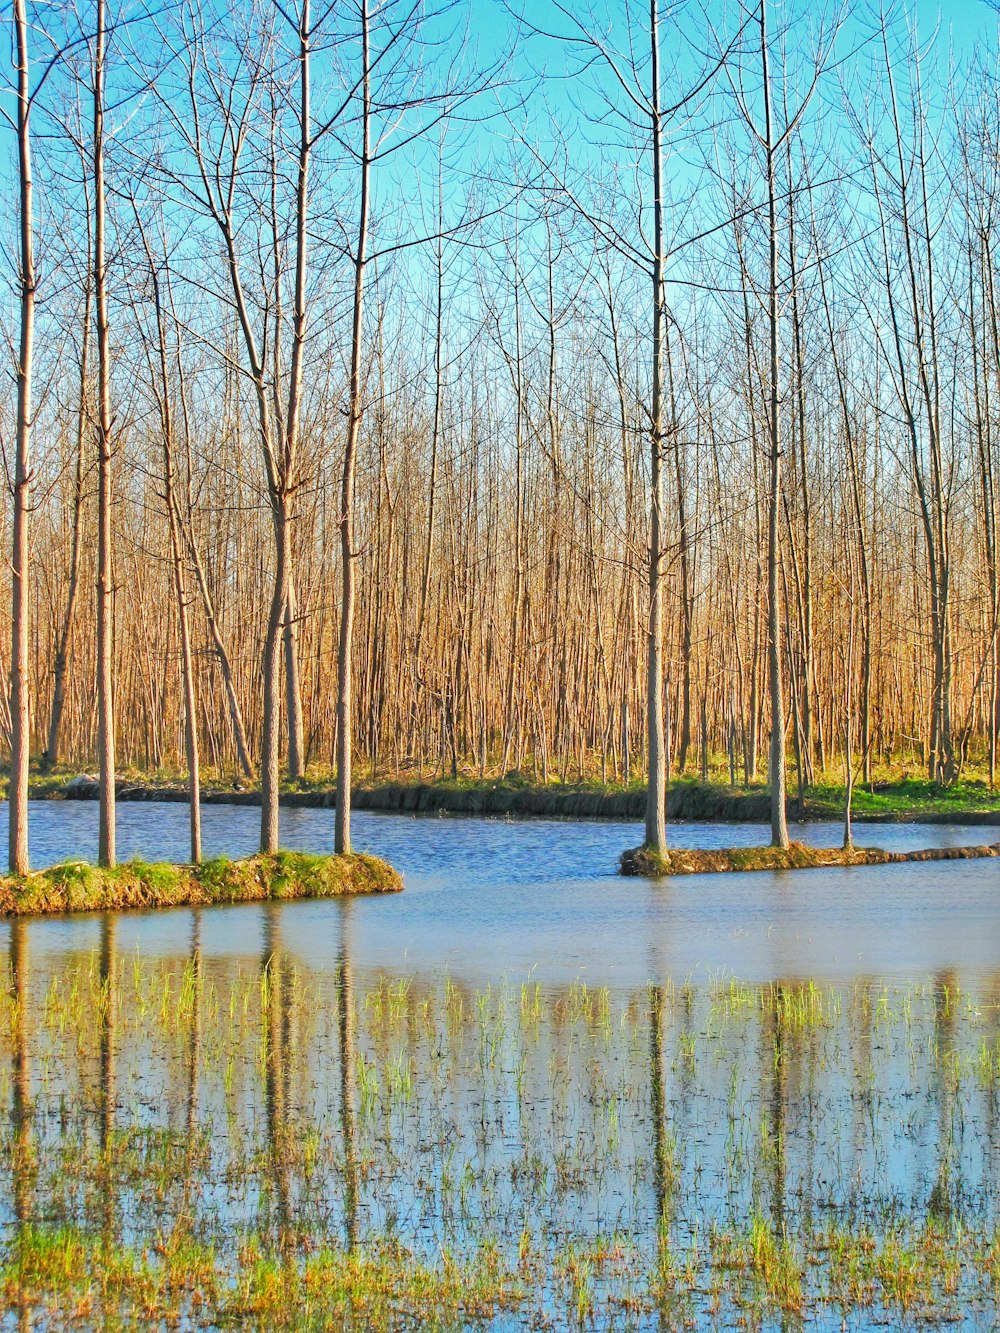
(945, 1190)
(345, 1024)
(861, 1048)
(194, 1062)
(991, 1111)
(275, 1001)
(194, 1047)
(773, 1058)
(658, 1110)
(20, 1074)
(107, 1051)
(22, 1175)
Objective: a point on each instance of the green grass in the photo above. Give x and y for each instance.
(66, 1268)
(641, 862)
(893, 794)
(909, 796)
(77, 886)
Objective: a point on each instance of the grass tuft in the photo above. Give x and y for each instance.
(76, 886)
(645, 863)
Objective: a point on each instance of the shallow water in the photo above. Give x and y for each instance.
(490, 898)
(522, 1057)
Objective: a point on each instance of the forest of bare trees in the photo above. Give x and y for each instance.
(399, 391)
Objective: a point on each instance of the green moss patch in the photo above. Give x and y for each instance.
(77, 886)
(640, 861)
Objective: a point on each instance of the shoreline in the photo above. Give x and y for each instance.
(640, 863)
(686, 802)
(77, 886)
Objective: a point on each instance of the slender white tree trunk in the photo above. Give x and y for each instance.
(656, 791)
(105, 591)
(19, 710)
(776, 763)
(342, 830)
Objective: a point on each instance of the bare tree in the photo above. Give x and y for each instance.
(639, 79)
(769, 140)
(19, 685)
(160, 383)
(105, 538)
(345, 711)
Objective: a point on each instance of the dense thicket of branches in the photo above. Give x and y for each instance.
(502, 487)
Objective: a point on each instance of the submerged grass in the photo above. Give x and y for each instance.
(219, 1142)
(77, 886)
(92, 1278)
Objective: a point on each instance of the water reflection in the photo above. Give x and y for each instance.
(486, 899)
(21, 1153)
(194, 1044)
(295, 1109)
(549, 1067)
(946, 991)
(344, 993)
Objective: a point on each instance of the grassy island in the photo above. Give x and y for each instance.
(640, 861)
(76, 886)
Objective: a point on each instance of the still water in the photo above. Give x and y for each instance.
(489, 898)
(523, 1094)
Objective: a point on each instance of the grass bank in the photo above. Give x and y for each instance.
(639, 861)
(891, 799)
(77, 886)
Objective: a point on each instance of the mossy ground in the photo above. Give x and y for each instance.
(77, 886)
(641, 861)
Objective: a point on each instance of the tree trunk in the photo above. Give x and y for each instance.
(105, 591)
(20, 713)
(293, 689)
(776, 762)
(342, 830)
(50, 759)
(656, 790)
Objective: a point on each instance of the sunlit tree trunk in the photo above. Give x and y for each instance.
(656, 793)
(61, 659)
(19, 704)
(776, 761)
(345, 720)
(165, 404)
(105, 590)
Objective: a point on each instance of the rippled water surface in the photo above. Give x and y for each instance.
(486, 898)
(523, 1094)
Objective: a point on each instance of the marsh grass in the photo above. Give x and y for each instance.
(77, 886)
(218, 1143)
(641, 861)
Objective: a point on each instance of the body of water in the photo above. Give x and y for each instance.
(525, 1093)
(490, 898)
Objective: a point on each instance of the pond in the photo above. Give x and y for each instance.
(523, 1094)
(490, 898)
